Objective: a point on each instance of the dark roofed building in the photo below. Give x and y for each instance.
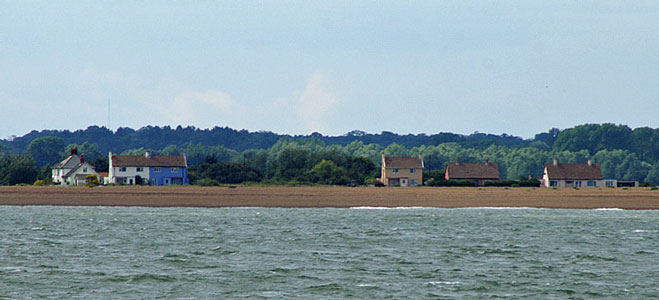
(478, 172)
(148, 169)
(574, 175)
(73, 170)
(402, 171)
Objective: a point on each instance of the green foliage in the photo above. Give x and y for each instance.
(623, 153)
(223, 172)
(206, 182)
(89, 150)
(46, 150)
(327, 172)
(39, 182)
(17, 169)
(514, 183)
(101, 164)
(91, 180)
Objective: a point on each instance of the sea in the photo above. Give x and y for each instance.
(49, 252)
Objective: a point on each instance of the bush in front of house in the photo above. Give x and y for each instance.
(91, 180)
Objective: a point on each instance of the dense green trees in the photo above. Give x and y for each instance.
(624, 153)
(17, 169)
(46, 150)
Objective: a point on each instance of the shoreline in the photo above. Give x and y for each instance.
(332, 196)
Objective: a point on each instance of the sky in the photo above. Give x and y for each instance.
(297, 67)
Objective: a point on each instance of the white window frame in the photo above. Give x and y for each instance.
(553, 183)
(122, 169)
(157, 169)
(174, 169)
(395, 171)
(140, 169)
(591, 183)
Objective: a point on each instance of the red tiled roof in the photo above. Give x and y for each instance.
(403, 162)
(143, 161)
(573, 171)
(472, 170)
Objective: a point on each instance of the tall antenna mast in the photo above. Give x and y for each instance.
(109, 114)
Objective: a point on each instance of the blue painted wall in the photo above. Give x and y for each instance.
(159, 178)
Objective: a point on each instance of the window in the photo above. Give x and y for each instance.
(609, 183)
(140, 169)
(174, 170)
(592, 183)
(413, 182)
(84, 170)
(412, 170)
(395, 171)
(122, 169)
(394, 182)
(577, 184)
(154, 181)
(156, 169)
(553, 183)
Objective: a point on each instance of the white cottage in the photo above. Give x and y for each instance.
(574, 175)
(73, 170)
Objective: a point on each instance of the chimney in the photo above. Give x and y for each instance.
(82, 159)
(487, 161)
(73, 150)
(147, 154)
(555, 161)
(457, 161)
(590, 162)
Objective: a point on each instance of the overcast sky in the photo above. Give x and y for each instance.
(516, 67)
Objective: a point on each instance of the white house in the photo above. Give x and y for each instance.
(574, 175)
(147, 169)
(73, 170)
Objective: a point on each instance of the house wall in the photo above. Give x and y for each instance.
(57, 175)
(116, 175)
(388, 174)
(166, 177)
(562, 183)
(85, 169)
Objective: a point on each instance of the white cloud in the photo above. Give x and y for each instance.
(317, 103)
(205, 109)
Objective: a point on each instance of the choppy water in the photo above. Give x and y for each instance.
(187, 253)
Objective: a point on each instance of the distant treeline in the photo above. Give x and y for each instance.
(624, 153)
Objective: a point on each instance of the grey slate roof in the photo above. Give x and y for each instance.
(68, 163)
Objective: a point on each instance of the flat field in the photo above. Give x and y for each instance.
(192, 196)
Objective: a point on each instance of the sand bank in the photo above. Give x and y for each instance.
(189, 196)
